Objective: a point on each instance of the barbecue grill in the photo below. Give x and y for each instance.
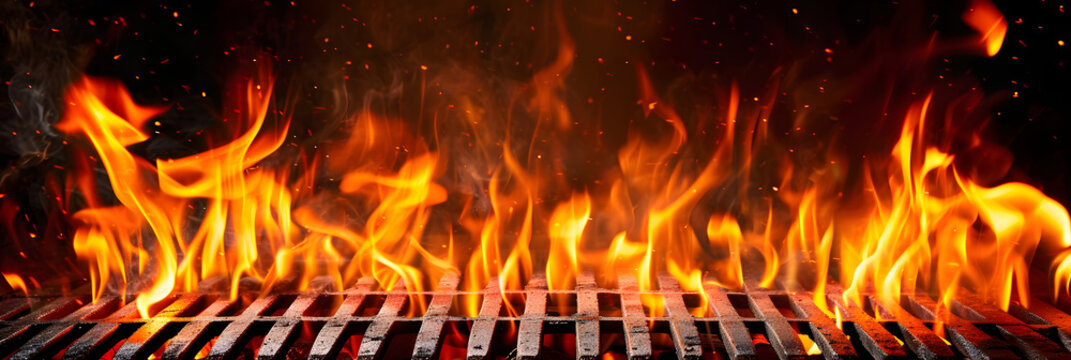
(754, 323)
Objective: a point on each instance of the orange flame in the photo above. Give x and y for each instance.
(16, 283)
(381, 201)
(920, 223)
(247, 209)
(987, 20)
(566, 227)
(928, 224)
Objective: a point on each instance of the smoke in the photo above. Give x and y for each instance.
(39, 59)
(39, 63)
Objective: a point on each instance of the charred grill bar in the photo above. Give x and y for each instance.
(754, 323)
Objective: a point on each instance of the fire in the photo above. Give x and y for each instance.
(987, 20)
(247, 209)
(16, 283)
(933, 220)
(724, 234)
(110, 237)
(566, 227)
(707, 196)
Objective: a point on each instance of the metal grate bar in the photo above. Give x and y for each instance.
(824, 330)
(183, 325)
(330, 339)
(376, 334)
(1013, 330)
(637, 334)
(192, 336)
(430, 335)
(731, 328)
(239, 331)
(51, 337)
(922, 341)
(10, 308)
(14, 333)
(284, 331)
(483, 328)
(95, 342)
(879, 342)
(587, 317)
(1041, 313)
(778, 331)
(682, 325)
(145, 339)
(962, 334)
(530, 332)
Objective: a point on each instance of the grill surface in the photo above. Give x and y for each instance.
(325, 324)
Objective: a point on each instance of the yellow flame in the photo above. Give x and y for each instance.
(566, 228)
(987, 20)
(16, 283)
(810, 345)
(724, 233)
(362, 206)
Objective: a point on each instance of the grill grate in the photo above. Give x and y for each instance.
(738, 325)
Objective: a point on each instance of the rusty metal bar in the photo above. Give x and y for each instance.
(682, 325)
(637, 334)
(430, 336)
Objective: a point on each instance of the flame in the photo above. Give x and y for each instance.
(16, 283)
(838, 317)
(769, 253)
(566, 228)
(921, 224)
(986, 19)
(724, 233)
(382, 198)
(247, 208)
(929, 221)
(104, 112)
(810, 345)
